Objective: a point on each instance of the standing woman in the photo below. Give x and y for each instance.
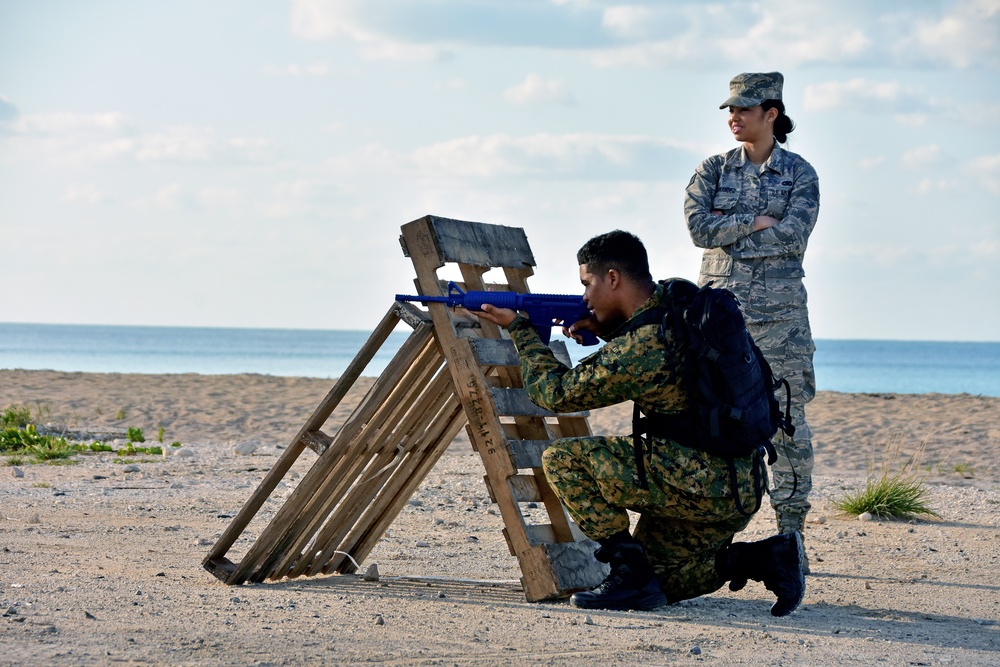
(752, 210)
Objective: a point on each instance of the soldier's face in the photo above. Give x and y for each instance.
(598, 295)
(750, 124)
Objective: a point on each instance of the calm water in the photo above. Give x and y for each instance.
(841, 365)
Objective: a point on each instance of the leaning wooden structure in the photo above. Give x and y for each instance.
(452, 371)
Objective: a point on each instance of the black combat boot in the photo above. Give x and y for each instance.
(774, 561)
(631, 584)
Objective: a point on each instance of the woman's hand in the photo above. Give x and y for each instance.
(764, 222)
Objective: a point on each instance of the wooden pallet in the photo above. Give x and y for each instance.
(451, 371)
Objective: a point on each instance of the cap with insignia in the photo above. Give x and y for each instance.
(751, 88)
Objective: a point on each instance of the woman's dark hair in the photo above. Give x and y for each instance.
(616, 250)
(783, 125)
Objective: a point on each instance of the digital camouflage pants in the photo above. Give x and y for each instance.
(788, 348)
(686, 516)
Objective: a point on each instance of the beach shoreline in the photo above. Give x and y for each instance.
(102, 560)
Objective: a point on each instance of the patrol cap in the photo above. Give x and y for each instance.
(751, 88)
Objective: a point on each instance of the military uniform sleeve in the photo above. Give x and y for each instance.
(791, 234)
(702, 197)
(624, 369)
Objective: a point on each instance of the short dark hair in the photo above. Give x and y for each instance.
(616, 250)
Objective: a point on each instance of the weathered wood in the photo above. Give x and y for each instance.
(524, 488)
(514, 402)
(495, 352)
(528, 453)
(292, 518)
(465, 242)
(292, 452)
(454, 370)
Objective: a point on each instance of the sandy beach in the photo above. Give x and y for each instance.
(100, 561)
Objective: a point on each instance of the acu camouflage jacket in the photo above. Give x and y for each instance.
(763, 269)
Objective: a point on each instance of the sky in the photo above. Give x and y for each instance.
(249, 163)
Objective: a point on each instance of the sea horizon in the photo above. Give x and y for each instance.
(848, 365)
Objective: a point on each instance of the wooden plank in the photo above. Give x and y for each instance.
(430, 445)
(528, 453)
(317, 441)
(399, 422)
(292, 452)
(514, 402)
(524, 488)
(293, 516)
(495, 352)
(369, 453)
(465, 242)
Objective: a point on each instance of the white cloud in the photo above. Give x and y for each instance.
(568, 156)
(727, 33)
(871, 162)
(84, 193)
(8, 111)
(920, 157)
(987, 170)
(536, 90)
(628, 21)
(297, 71)
(929, 186)
(967, 36)
(66, 123)
(861, 95)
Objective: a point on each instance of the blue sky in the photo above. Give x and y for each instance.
(248, 163)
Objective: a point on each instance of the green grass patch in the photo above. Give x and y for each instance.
(15, 416)
(15, 460)
(41, 485)
(896, 490)
(134, 434)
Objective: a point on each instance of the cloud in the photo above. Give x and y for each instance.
(83, 193)
(871, 162)
(68, 122)
(67, 139)
(536, 90)
(8, 111)
(987, 170)
(862, 95)
(920, 157)
(569, 156)
(966, 36)
(643, 33)
(298, 71)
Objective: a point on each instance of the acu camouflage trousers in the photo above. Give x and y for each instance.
(788, 347)
(686, 516)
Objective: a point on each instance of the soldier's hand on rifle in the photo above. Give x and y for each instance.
(575, 330)
(499, 316)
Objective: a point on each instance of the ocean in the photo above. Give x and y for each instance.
(861, 366)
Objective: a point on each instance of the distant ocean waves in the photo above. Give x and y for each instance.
(841, 365)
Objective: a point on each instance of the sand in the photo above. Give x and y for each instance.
(100, 562)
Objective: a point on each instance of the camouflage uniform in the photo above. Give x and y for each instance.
(687, 513)
(764, 270)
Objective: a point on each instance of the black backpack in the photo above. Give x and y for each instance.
(733, 411)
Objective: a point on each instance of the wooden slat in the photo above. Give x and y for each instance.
(292, 452)
(370, 454)
(375, 481)
(294, 516)
(524, 489)
(528, 453)
(465, 242)
(317, 441)
(495, 352)
(514, 402)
